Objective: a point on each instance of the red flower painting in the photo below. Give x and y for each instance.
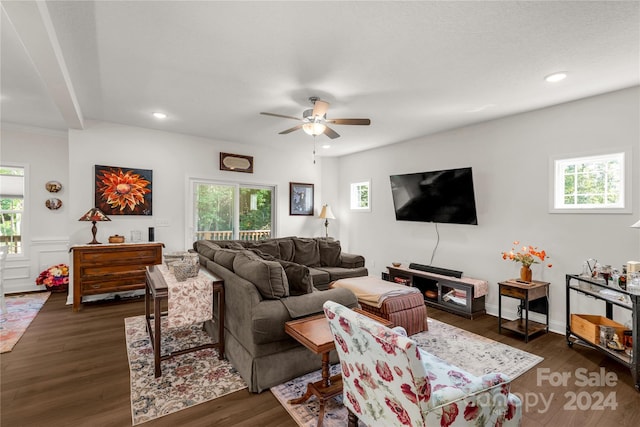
(123, 191)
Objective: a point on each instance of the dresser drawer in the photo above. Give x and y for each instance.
(122, 256)
(100, 287)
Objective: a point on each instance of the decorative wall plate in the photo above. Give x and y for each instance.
(53, 186)
(53, 203)
(236, 163)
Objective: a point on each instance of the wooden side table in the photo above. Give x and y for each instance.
(314, 333)
(156, 290)
(526, 293)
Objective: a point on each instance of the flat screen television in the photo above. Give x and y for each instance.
(444, 196)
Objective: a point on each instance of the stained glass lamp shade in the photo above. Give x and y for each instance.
(94, 215)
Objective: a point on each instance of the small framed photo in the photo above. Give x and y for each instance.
(300, 199)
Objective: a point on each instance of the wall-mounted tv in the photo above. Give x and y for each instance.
(444, 196)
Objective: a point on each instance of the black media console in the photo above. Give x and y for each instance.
(445, 291)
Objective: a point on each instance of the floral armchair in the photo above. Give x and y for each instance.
(388, 380)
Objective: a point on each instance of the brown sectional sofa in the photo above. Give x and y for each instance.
(268, 283)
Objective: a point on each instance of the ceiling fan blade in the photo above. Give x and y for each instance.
(331, 133)
(280, 115)
(284, 132)
(365, 122)
(320, 108)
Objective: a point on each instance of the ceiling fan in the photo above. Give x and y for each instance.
(314, 120)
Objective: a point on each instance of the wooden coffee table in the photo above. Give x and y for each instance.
(313, 332)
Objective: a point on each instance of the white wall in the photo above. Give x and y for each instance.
(510, 159)
(46, 233)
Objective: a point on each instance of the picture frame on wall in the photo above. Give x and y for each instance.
(123, 191)
(300, 199)
(236, 163)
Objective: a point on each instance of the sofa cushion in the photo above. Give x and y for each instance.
(267, 276)
(312, 303)
(287, 250)
(206, 248)
(299, 278)
(336, 273)
(225, 257)
(270, 247)
(235, 245)
(329, 252)
(320, 278)
(307, 252)
(351, 260)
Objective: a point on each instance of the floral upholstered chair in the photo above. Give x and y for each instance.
(389, 381)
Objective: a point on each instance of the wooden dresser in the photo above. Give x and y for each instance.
(105, 268)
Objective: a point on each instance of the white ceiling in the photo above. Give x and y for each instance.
(413, 67)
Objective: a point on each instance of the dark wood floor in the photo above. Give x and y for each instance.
(71, 369)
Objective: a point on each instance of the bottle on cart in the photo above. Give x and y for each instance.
(622, 280)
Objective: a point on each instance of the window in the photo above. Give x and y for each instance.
(12, 203)
(361, 196)
(229, 211)
(596, 183)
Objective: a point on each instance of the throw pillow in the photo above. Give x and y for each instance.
(225, 258)
(270, 247)
(206, 248)
(267, 276)
(306, 252)
(299, 278)
(262, 255)
(285, 245)
(329, 252)
(234, 245)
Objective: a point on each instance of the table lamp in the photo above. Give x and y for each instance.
(636, 225)
(326, 214)
(94, 215)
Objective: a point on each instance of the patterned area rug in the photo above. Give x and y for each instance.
(21, 310)
(473, 353)
(186, 380)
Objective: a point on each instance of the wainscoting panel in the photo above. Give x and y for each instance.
(21, 273)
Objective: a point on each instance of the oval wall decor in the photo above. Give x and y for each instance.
(236, 163)
(53, 203)
(53, 186)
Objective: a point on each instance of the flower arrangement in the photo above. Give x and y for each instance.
(526, 256)
(56, 277)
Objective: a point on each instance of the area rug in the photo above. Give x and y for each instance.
(473, 353)
(187, 380)
(21, 310)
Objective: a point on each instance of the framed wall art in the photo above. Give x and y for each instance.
(236, 163)
(300, 199)
(123, 191)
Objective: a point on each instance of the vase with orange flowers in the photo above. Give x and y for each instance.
(526, 256)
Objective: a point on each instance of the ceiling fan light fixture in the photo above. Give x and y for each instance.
(314, 128)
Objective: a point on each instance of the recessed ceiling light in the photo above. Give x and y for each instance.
(556, 77)
(326, 146)
(159, 115)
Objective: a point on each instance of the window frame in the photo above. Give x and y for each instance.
(24, 223)
(556, 187)
(354, 192)
(191, 212)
